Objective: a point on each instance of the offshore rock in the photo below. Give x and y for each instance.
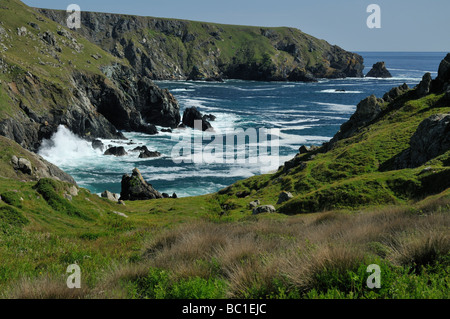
(379, 71)
(116, 151)
(134, 187)
(191, 115)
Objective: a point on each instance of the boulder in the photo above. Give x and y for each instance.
(149, 154)
(145, 152)
(116, 151)
(174, 195)
(134, 187)
(264, 209)
(284, 197)
(254, 204)
(110, 196)
(73, 191)
(431, 139)
(191, 115)
(22, 164)
(379, 71)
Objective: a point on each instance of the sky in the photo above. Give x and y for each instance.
(406, 25)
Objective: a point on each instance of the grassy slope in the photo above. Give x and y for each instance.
(357, 171)
(30, 55)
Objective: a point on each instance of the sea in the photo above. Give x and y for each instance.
(294, 114)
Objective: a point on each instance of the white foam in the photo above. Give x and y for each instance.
(339, 92)
(343, 108)
(64, 147)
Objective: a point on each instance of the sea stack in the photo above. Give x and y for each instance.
(379, 71)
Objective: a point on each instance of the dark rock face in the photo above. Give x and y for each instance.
(442, 81)
(191, 115)
(424, 87)
(299, 75)
(134, 187)
(116, 151)
(379, 71)
(431, 139)
(97, 106)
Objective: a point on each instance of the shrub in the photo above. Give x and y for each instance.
(13, 217)
(12, 198)
(49, 189)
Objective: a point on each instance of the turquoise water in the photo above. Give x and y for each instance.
(304, 113)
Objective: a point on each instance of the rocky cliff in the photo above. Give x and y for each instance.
(50, 76)
(165, 49)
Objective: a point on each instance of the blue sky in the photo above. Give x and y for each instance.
(406, 25)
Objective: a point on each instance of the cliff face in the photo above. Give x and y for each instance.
(51, 76)
(165, 49)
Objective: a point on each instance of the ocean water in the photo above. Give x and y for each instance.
(302, 113)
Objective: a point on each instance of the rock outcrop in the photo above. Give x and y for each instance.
(134, 187)
(379, 71)
(431, 139)
(191, 115)
(110, 196)
(366, 111)
(167, 49)
(27, 166)
(424, 87)
(395, 92)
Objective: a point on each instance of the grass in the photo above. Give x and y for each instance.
(323, 255)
